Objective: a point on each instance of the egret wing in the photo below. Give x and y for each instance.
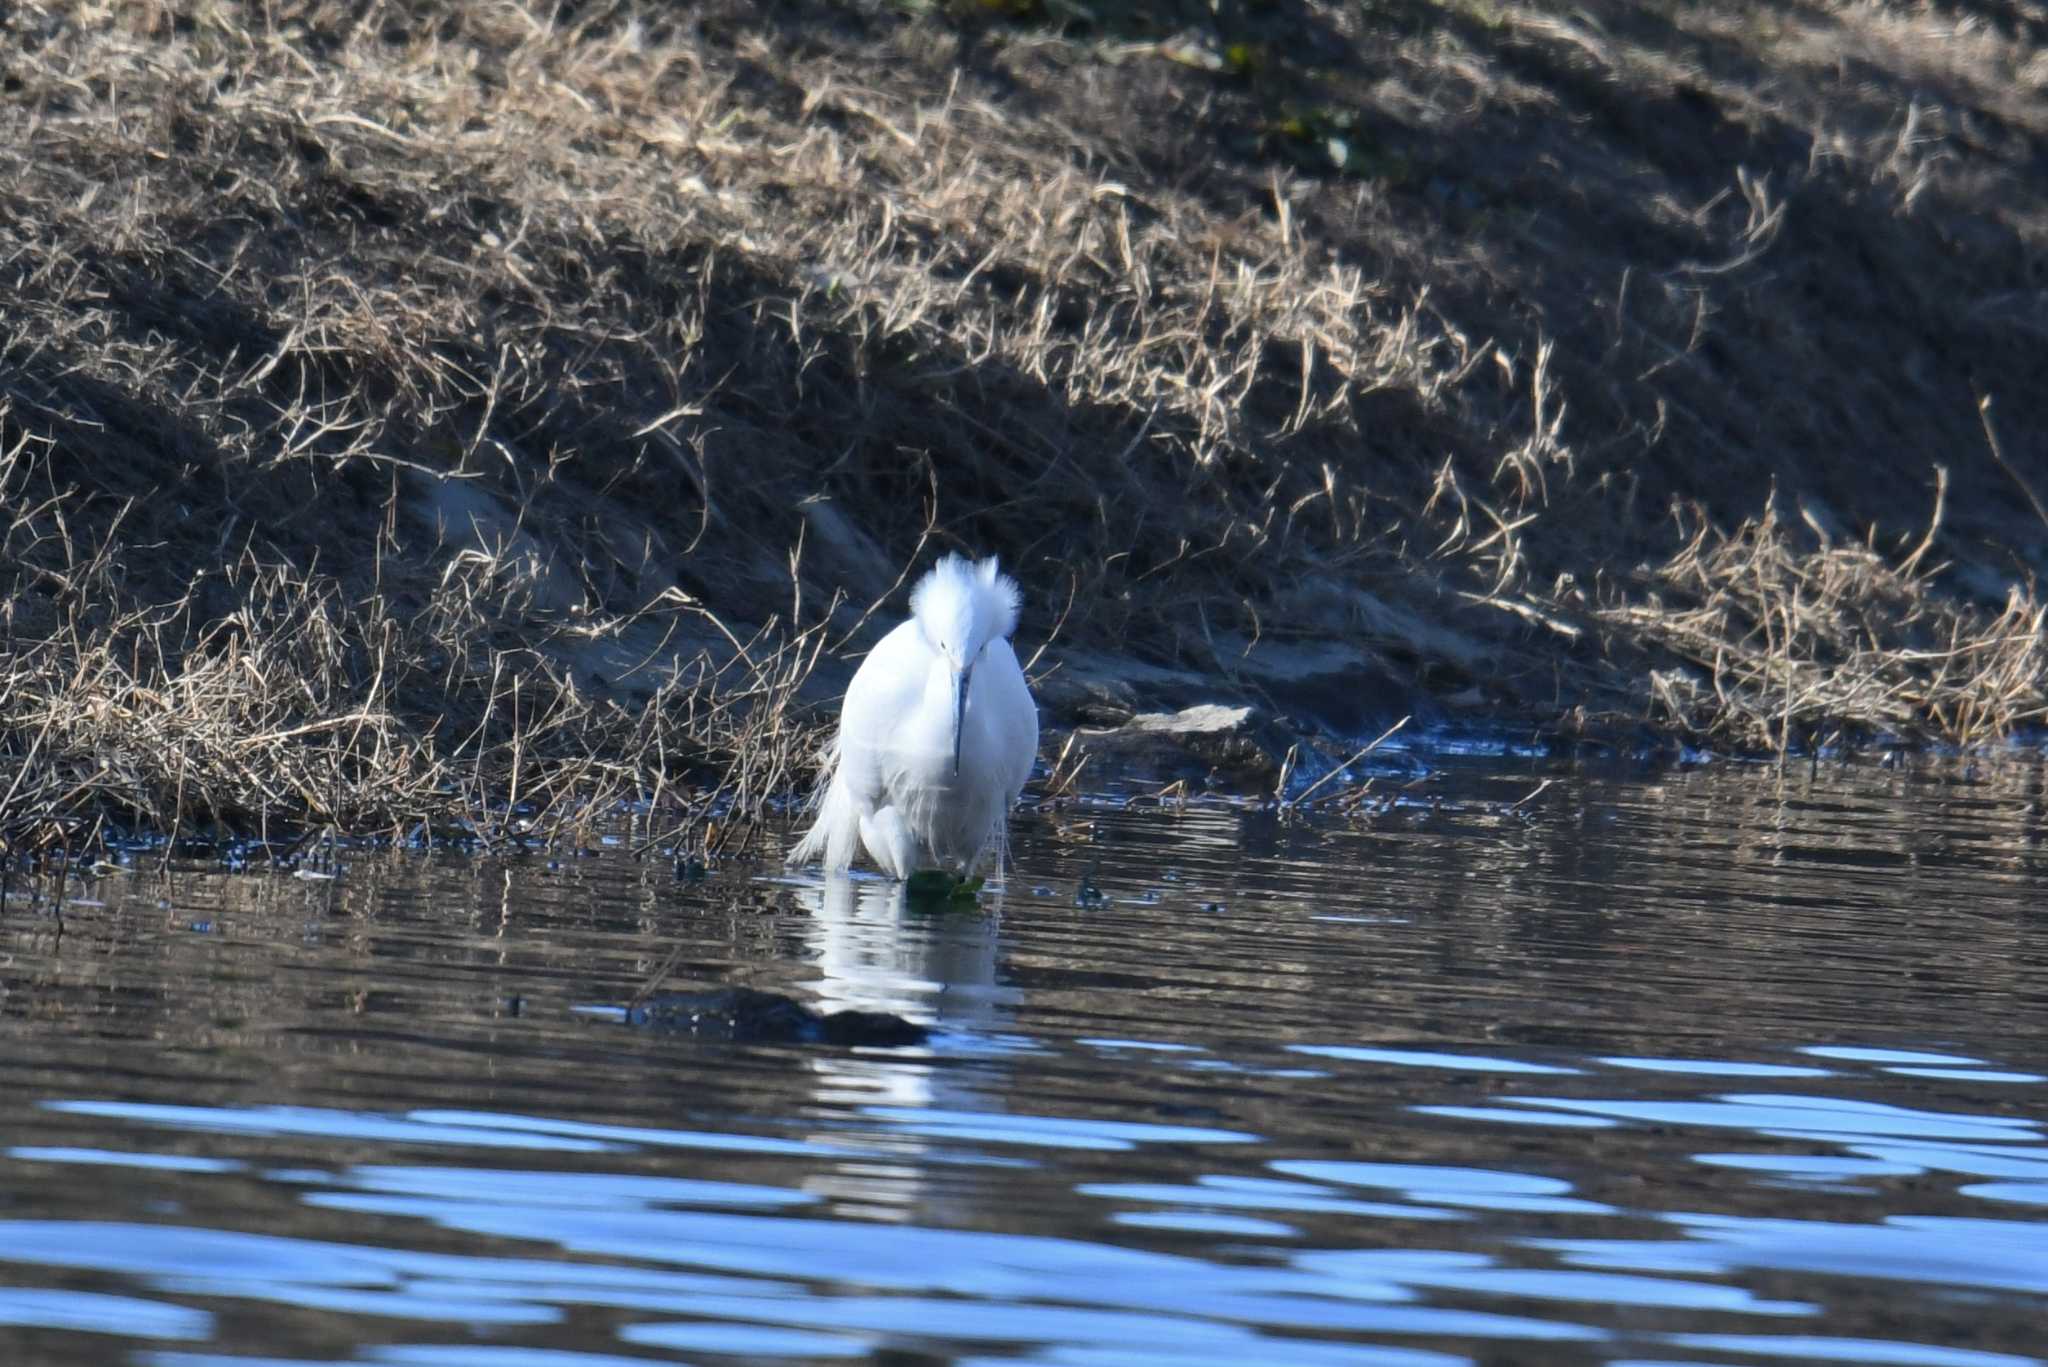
(1014, 714)
(882, 698)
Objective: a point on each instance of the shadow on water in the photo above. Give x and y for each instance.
(1694, 1067)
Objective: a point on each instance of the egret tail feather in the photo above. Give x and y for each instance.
(834, 835)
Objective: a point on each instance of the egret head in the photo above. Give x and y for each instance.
(959, 607)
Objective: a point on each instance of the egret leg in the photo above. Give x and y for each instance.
(995, 851)
(890, 843)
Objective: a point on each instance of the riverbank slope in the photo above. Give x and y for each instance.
(408, 409)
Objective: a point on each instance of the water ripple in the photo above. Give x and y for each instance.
(1668, 1065)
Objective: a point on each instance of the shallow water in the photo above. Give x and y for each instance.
(1684, 1068)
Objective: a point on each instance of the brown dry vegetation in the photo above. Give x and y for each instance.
(407, 409)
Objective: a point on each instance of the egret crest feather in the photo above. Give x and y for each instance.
(959, 593)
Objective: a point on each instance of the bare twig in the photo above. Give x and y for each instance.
(1288, 804)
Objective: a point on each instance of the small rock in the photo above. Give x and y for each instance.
(1209, 741)
(745, 1015)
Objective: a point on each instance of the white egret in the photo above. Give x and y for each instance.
(937, 735)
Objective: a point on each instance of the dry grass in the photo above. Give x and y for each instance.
(1793, 644)
(393, 393)
(300, 711)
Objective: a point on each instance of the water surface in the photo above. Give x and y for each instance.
(1693, 1067)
